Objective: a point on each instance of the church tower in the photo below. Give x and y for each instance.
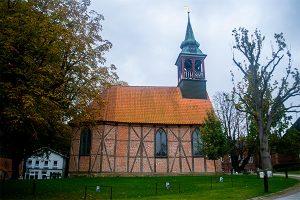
(191, 70)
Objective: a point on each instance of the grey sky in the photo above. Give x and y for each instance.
(146, 35)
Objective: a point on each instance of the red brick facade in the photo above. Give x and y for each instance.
(283, 160)
(129, 149)
(227, 165)
(6, 168)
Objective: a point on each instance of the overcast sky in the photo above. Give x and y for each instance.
(146, 35)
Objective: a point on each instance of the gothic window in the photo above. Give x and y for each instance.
(85, 142)
(160, 143)
(197, 146)
(251, 159)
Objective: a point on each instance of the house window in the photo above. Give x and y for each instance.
(31, 175)
(36, 175)
(29, 163)
(160, 143)
(44, 174)
(197, 145)
(85, 142)
(46, 163)
(55, 163)
(37, 163)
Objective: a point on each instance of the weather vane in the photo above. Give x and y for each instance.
(187, 9)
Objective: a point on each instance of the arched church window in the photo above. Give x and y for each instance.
(85, 142)
(197, 144)
(160, 143)
(188, 71)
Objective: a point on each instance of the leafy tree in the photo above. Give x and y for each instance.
(289, 143)
(259, 93)
(214, 139)
(51, 59)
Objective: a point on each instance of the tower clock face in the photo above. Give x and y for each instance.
(192, 49)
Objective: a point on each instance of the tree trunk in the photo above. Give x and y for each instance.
(15, 169)
(234, 162)
(245, 161)
(215, 166)
(264, 151)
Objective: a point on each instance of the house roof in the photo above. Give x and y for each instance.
(149, 104)
(43, 150)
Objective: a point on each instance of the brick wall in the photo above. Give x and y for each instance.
(6, 168)
(127, 148)
(227, 165)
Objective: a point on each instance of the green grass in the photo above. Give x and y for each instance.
(191, 187)
(294, 172)
(290, 172)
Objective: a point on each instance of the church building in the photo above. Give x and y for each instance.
(143, 130)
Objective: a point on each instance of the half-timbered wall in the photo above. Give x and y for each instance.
(128, 148)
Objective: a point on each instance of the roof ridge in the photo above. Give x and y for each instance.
(141, 86)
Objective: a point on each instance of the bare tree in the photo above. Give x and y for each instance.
(236, 127)
(260, 94)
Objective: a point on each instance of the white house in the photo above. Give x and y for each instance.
(45, 163)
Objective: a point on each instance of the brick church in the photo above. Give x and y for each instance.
(146, 129)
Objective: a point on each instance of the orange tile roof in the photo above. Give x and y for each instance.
(149, 104)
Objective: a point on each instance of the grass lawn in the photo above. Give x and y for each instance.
(294, 172)
(290, 172)
(191, 187)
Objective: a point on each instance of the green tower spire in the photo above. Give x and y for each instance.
(190, 45)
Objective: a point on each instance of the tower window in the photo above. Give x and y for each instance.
(161, 143)
(85, 142)
(197, 144)
(198, 65)
(198, 70)
(188, 70)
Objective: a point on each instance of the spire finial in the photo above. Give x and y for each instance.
(190, 45)
(187, 9)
